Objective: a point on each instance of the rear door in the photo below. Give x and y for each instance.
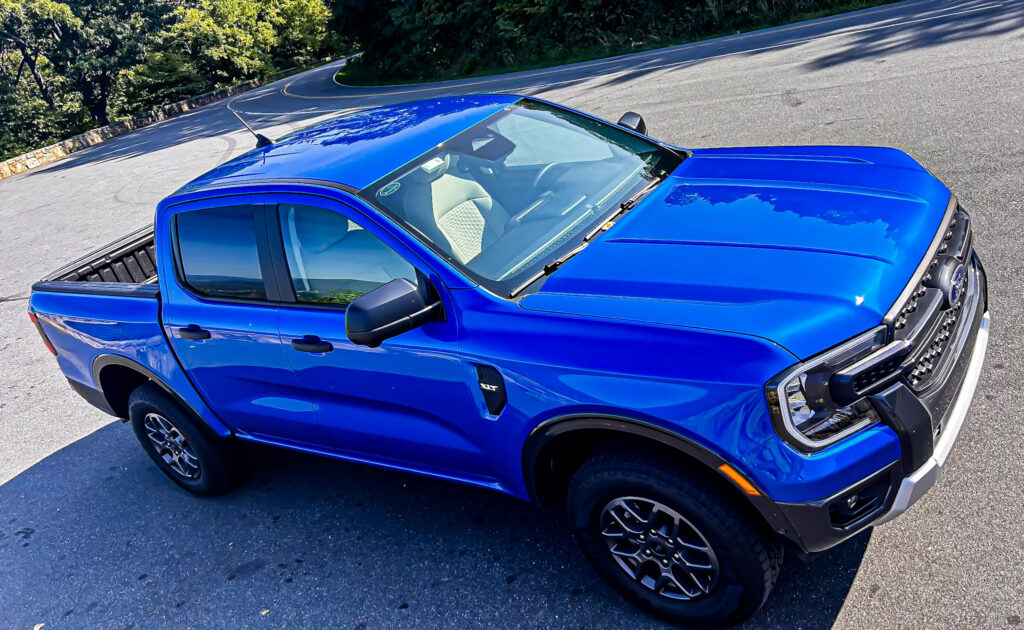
(221, 315)
(409, 401)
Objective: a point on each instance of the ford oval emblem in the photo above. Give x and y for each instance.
(957, 283)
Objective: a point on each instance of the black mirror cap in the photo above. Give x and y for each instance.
(634, 121)
(390, 309)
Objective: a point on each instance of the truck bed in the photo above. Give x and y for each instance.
(101, 313)
(127, 266)
(130, 259)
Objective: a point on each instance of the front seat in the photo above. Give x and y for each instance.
(338, 259)
(454, 212)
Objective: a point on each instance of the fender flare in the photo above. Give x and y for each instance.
(544, 433)
(215, 426)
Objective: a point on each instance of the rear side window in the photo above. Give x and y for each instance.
(218, 252)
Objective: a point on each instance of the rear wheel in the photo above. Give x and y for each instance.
(181, 449)
(670, 541)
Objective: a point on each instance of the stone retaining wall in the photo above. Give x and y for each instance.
(54, 152)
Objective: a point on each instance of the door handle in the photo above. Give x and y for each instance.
(193, 331)
(311, 343)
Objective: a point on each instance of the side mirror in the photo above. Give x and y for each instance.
(634, 121)
(388, 310)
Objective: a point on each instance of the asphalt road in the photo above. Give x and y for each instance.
(91, 535)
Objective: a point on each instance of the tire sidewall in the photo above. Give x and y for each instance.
(740, 581)
(214, 469)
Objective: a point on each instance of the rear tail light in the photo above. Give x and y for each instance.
(46, 340)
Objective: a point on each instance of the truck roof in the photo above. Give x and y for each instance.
(358, 148)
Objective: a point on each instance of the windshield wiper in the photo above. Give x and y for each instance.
(548, 268)
(624, 207)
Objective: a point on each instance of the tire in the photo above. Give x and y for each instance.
(191, 456)
(734, 578)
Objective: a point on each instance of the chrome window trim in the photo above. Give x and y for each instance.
(933, 249)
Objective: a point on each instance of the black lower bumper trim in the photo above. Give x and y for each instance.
(93, 396)
(815, 522)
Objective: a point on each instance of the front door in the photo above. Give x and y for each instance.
(221, 318)
(407, 402)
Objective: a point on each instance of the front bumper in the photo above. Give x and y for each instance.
(921, 480)
(916, 417)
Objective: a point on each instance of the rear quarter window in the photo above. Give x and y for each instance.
(218, 254)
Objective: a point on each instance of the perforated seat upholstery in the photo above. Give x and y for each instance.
(453, 211)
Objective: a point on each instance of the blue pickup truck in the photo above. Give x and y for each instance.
(708, 355)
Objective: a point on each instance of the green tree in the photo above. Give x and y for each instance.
(419, 39)
(302, 27)
(66, 63)
(214, 43)
(35, 28)
(114, 37)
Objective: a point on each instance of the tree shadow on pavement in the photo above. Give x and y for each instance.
(872, 34)
(963, 21)
(95, 536)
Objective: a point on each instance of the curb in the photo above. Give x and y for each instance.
(54, 152)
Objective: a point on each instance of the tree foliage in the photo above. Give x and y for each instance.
(67, 66)
(34, 108)
(412, 39)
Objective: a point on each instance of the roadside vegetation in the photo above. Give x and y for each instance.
(72, 65)
(66, 67)
(410, 41)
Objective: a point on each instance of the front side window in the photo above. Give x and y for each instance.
(504, 198)
(217, 249)
(333, 260)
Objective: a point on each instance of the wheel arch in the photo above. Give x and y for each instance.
(116, 377)
(556, 448)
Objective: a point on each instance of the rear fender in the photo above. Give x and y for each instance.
(183, 392)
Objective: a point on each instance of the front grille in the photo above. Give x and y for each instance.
(957, 243)
(928, 319)
(929, 357)
(864, 380)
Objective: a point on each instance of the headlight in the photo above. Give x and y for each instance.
(801, 402)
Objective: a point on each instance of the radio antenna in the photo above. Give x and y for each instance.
(261, 140)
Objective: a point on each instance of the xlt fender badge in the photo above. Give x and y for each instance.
(492, 386)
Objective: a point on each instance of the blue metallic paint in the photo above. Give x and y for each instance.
(796, 246)
(242, 370)
(89, 329)
(359, 148)
(743, 261)
(405, 402)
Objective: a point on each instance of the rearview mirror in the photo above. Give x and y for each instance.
(634, 121)
(390, 309)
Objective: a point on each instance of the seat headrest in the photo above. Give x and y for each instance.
(319, 230)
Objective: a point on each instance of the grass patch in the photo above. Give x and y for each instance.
(355, 74)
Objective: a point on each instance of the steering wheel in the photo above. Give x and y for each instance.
(544, 171)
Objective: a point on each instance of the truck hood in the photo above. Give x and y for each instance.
(804, 246)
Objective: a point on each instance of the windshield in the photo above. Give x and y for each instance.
(505, 198)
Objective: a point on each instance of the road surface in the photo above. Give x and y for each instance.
(91, 534)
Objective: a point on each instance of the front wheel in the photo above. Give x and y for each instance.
(670, 541)
(181, 449)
